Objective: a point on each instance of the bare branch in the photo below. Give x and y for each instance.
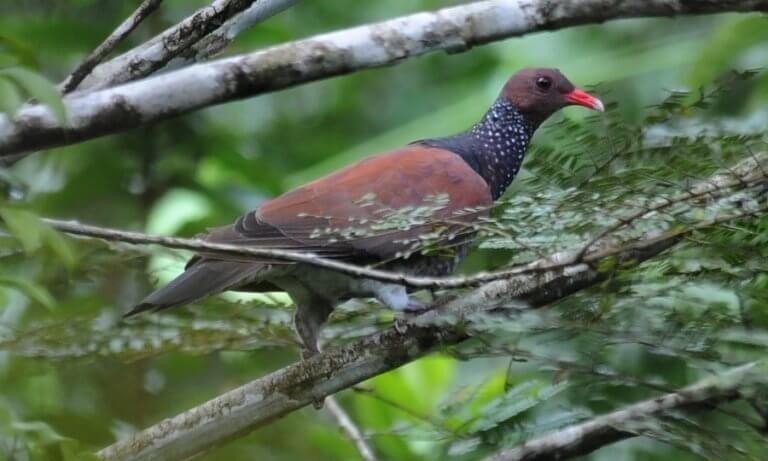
(350, 428)
(556, 261)
(603, 430)
(706, 188)
(157, 52)
(213, 43)
(454, 29)
(746, 170)
(126, 27)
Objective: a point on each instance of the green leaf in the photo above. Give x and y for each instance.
(32, 290)
(39, 430)
(32, 233)
(39, 88)
(22, 53)
(518, 399)
(8, 60)
(25, 226)
(60, 246)
(10, 100)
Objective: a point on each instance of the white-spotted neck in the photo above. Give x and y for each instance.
(495, 147)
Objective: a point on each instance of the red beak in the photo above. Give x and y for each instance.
(582, 98)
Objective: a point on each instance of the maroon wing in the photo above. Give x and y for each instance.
(377, 208)
(374, 210)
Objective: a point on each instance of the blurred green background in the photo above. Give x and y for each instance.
(73, 379)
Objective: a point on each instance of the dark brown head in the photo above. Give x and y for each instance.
(539, 93)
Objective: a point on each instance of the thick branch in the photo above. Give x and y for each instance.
(126, 27)
(265, 399)
(455, 29)
(586, 437)
(261, 401)
(157, 52)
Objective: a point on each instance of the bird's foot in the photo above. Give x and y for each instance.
(400, 325)
(415, 307)
(443, 301)
(308, 353)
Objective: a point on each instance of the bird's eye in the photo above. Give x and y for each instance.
(544, 83)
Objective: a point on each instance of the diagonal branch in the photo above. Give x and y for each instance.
(217, 40)
(454, 29)
(157, 52)
(747, 172)
(261, 401)
(584, 438)
(350, 428)
(557, 261)
(126, 27)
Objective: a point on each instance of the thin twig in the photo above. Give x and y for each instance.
(706, 188)
(586, 437)
(160, 50)
(410, 412)
(213, 43)
(554, 262)
(126, 27)
(349, 427)
(352, 431)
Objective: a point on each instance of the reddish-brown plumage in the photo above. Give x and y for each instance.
(379, 210)
(355, 197)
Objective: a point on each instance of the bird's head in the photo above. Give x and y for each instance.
(539, 93)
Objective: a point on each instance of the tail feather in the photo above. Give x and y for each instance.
(204, 278)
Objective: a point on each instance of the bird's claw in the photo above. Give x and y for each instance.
(415, 307)
(308, 353)
(400, 326)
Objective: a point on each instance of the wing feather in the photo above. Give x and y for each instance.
(378, 208)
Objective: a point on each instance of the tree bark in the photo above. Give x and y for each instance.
(459, 28)
(263, 400)
(580, 439)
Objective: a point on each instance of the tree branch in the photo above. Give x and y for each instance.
(743, 177)
(556, 261)
(350, 428)
(217, 40)
(126, 27)
(586, 437)
(273, 396)
(157, 52)
(454, 29)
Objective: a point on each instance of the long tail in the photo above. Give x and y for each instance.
(205, 277)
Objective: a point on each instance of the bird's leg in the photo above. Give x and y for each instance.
(308, 320)
(396, 298)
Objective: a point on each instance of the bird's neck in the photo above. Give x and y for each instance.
(495, 147)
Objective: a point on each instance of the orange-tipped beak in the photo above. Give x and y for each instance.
(582, 98)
